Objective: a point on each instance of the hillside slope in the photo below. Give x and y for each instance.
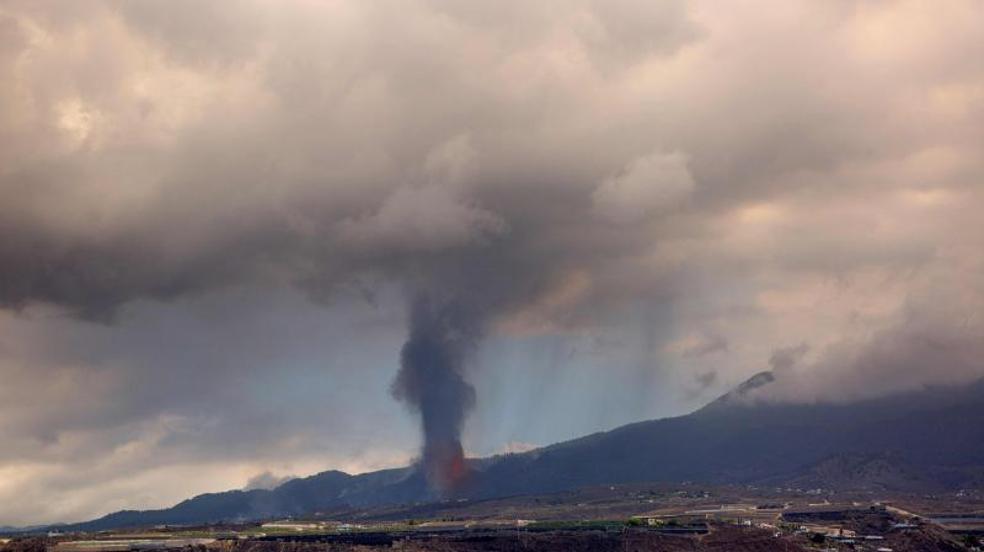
(930, 439)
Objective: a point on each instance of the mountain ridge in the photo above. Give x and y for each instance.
(937, 433)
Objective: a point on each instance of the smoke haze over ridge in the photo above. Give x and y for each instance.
(218, 220)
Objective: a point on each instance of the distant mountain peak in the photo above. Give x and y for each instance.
(739, 395)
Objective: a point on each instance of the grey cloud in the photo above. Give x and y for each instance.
(902, 358)
(707, 344)
(706, 379)
(421, 219)
(649, 186)
(784, 359)
(622, 32)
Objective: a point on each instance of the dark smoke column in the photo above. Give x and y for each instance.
(431, 381)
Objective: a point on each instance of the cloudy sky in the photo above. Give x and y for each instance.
(215, 215)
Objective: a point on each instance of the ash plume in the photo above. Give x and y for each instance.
(431, 380)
